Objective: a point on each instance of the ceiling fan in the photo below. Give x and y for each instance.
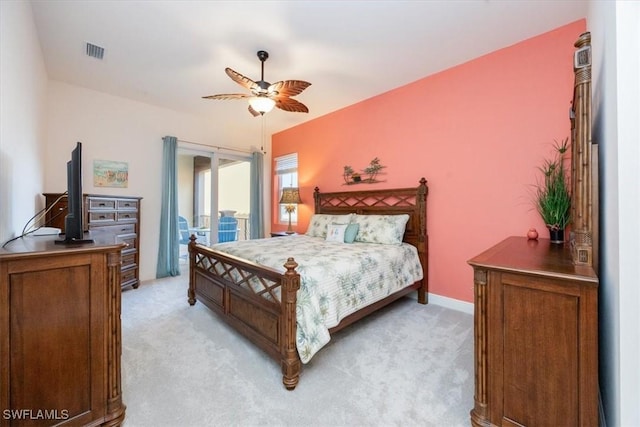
(264, 95)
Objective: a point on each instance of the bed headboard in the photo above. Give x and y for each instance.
(411, 201)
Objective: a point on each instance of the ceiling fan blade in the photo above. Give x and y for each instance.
(253, 112)
(229, 96)
(243, 81)
(289, 104)
(288, 87)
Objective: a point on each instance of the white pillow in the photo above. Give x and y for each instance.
(383, 229)
(319, 222)
(335, 232)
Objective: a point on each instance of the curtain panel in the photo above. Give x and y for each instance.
(256, 224)
(169, 245)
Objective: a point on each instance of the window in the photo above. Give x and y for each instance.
(286, 171)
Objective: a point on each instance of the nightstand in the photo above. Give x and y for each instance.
(282, 234)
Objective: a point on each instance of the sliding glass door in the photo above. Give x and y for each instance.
(213, 185)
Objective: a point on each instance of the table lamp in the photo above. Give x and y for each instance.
(290, 198)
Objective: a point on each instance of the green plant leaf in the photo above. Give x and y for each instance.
(552, 194)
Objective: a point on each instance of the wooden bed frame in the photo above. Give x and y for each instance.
(269, 320)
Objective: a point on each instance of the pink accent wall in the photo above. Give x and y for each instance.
(476, 132)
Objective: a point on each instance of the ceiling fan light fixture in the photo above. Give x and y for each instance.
(262, 104)
(264, 95)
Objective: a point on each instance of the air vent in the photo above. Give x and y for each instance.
(95, 51)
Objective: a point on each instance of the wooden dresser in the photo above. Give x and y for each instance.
(60, 333)
(536, 336)
(119, 215)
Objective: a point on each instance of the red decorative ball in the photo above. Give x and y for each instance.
(532, 234)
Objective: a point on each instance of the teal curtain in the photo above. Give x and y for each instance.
(256, 216)
(169, 245)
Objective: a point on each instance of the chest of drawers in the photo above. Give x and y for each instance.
(119, 215)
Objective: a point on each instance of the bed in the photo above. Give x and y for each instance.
(265, 302)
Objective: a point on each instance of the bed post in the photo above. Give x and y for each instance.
(191, 293)
(316, 199)
(423, 241)
(290, 357)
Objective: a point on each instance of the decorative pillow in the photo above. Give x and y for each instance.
(335, 232)
(383, 229)
(351, 232)
(319, 222)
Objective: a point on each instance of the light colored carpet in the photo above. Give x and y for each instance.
(408, 364)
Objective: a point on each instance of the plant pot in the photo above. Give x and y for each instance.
(356, 178)
(556, 235)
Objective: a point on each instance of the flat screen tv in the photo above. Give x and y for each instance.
(73, 222)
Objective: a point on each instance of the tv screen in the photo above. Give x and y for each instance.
(73, 222)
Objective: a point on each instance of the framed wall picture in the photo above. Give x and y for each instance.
(109, 173)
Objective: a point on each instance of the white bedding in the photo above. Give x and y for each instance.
(336, 279)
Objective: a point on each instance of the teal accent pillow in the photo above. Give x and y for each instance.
(351, 232)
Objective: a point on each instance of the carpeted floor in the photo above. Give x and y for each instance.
(407, 365)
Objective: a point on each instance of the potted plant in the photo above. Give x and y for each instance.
(552, 196)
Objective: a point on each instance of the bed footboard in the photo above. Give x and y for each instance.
(257, 301)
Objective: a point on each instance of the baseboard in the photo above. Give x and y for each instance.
(454, 304)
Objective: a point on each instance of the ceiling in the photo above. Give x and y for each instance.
(171, 53)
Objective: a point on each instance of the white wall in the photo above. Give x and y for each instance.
(23, 84)
(113, 128)
(615, 33)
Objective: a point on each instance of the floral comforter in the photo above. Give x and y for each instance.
(336, 279)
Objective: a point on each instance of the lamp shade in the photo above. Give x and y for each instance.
(290, 196)
(262, 104)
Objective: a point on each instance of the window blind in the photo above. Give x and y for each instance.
(286, 164)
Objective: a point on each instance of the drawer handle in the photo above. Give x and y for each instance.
(123, 229)
(127, 204)
(102, 217)
(102, 204)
